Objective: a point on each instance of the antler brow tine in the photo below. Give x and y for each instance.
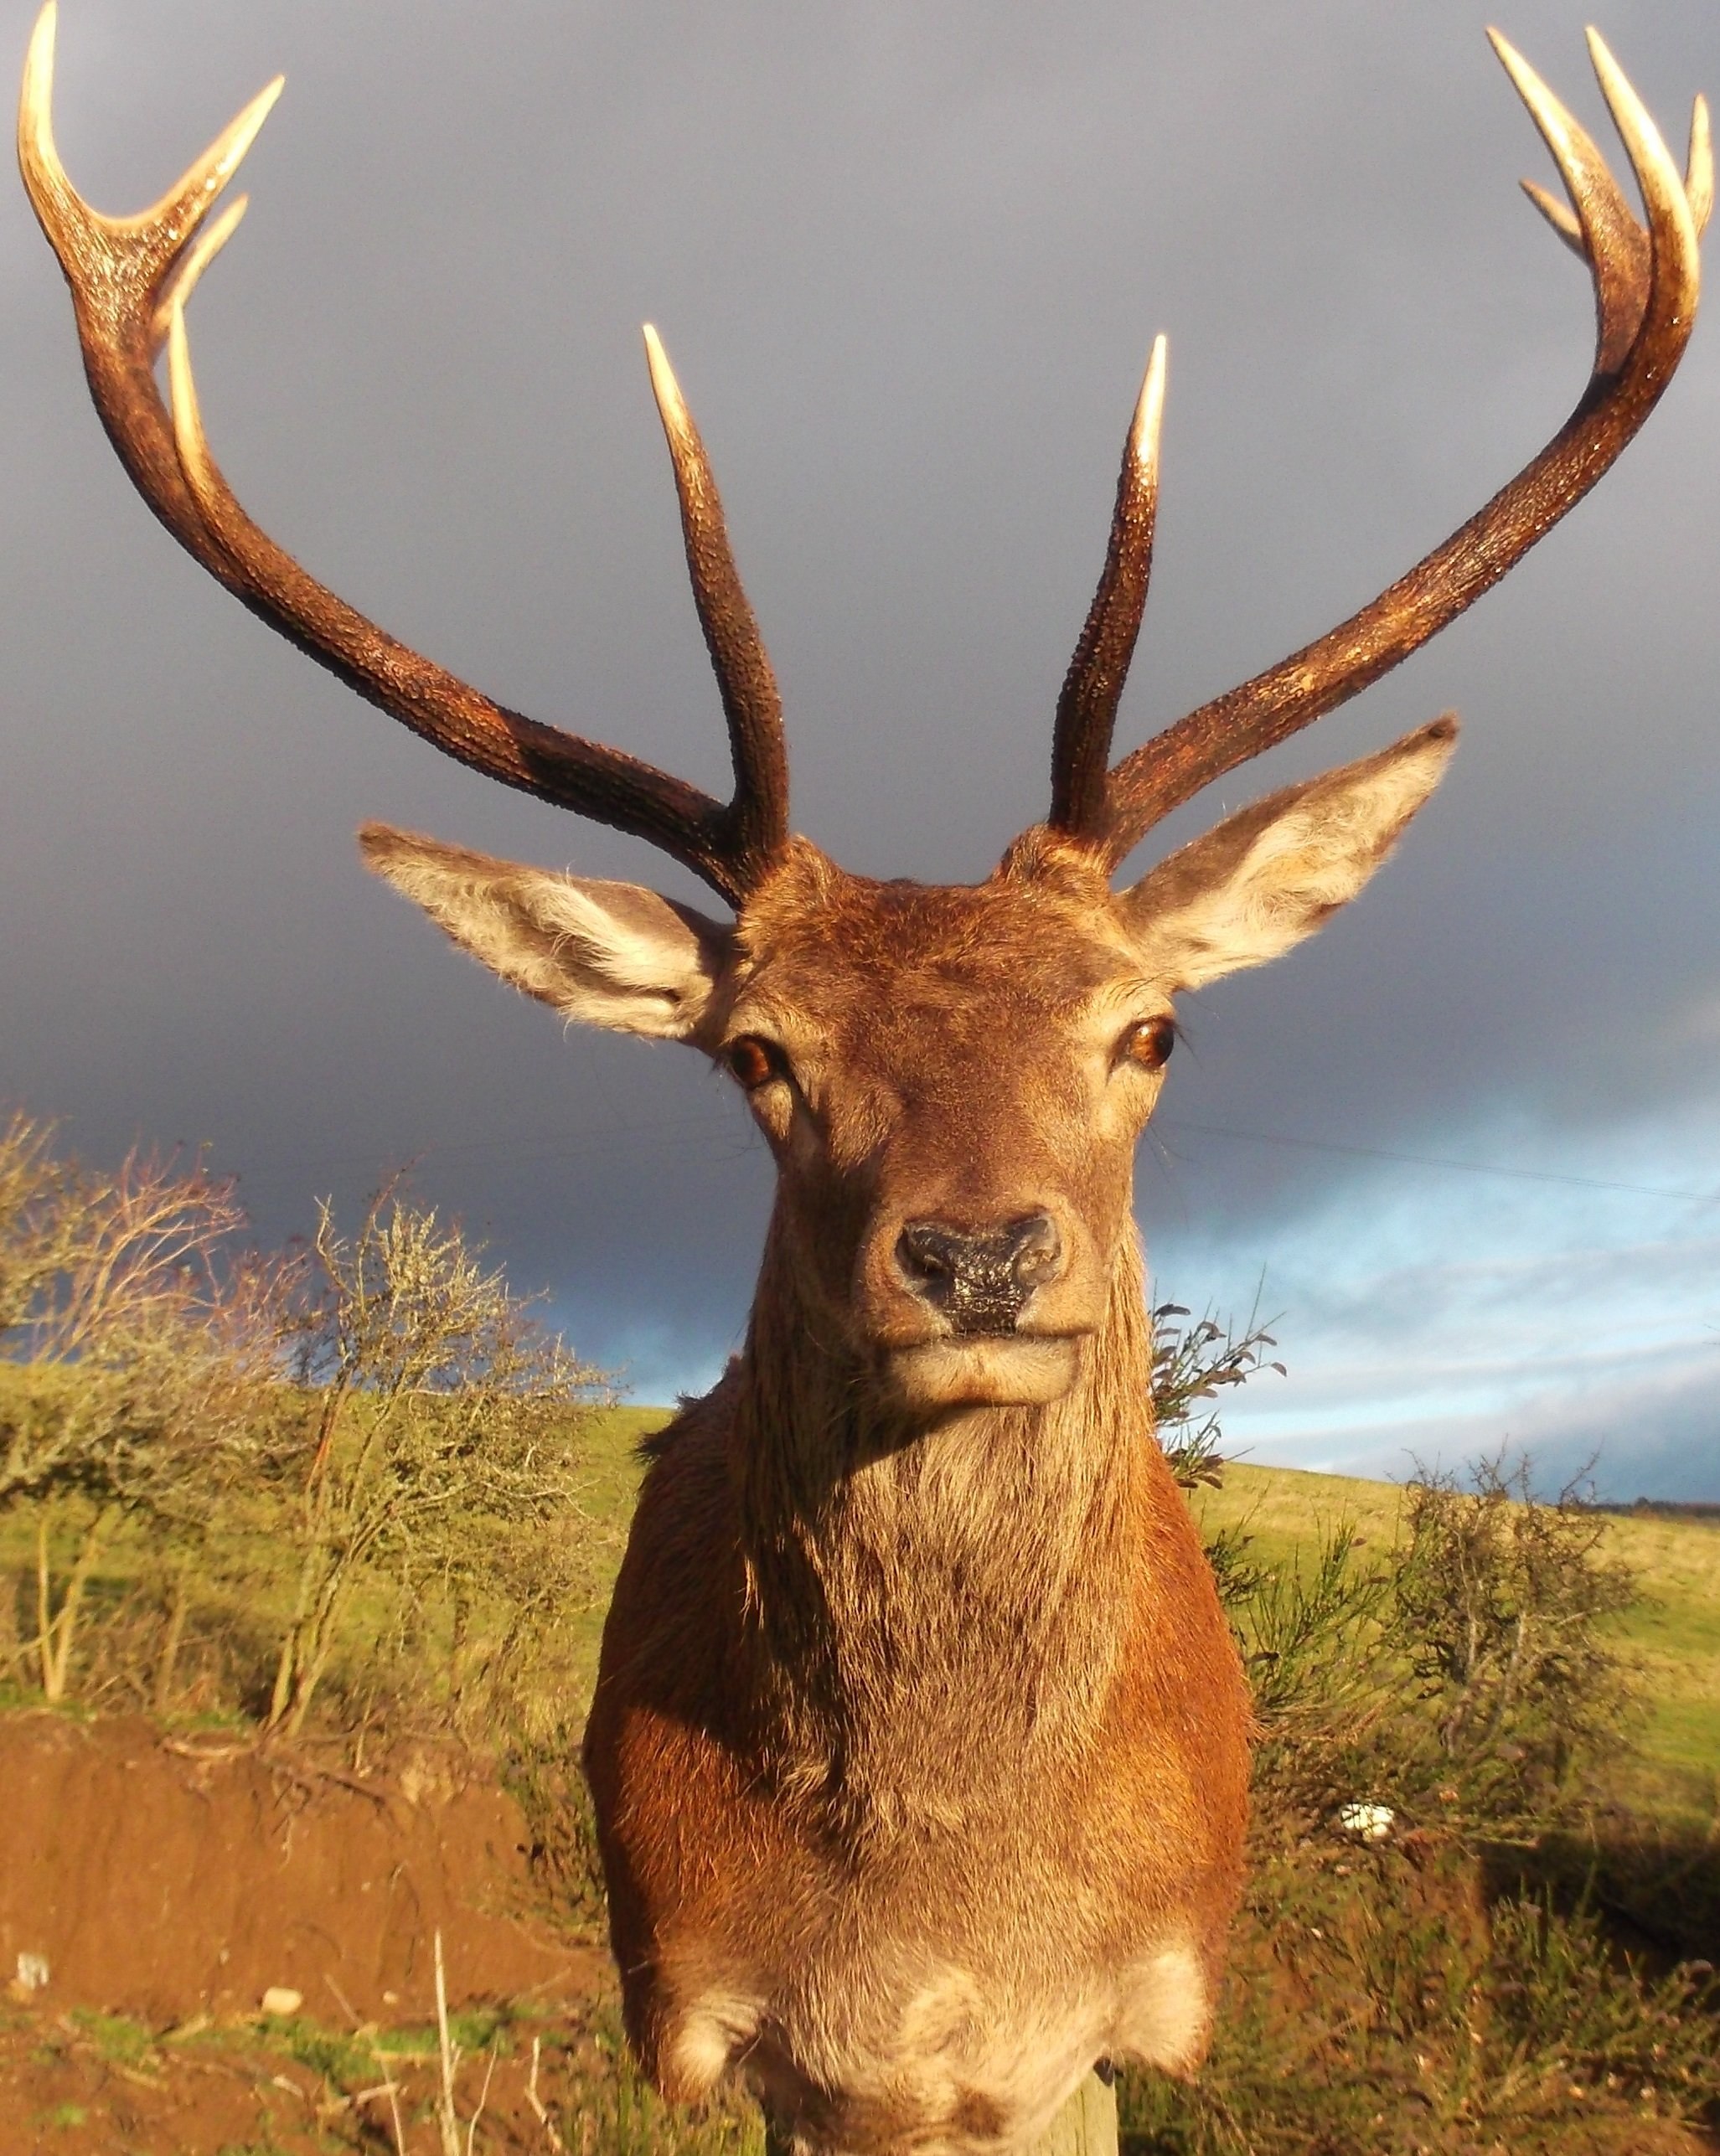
(1646, 285)
(131, 278)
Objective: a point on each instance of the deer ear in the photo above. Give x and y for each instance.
(1270, 874)
(613, 954)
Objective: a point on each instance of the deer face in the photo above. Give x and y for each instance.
(952, 1078)
(951, 1081)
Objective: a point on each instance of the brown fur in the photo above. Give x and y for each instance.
(920, 1742)
(888, 1694)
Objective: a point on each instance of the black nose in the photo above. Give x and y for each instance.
(979, 1277)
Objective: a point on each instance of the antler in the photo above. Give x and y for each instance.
(131, 278)
(1645, 289)
(1092, 688)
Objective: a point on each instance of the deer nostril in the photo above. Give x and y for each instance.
(1038, 1253)
(979, 1278)
(929, 1254)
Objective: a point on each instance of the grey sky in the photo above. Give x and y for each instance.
(908, 260)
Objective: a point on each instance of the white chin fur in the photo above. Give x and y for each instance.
(984, 1372)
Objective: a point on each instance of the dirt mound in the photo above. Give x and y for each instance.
(163, 1878)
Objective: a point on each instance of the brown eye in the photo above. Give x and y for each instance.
(755, 1062)
(1148, 1044)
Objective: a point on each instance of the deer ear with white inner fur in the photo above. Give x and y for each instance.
(1269, 875)
(614, 955)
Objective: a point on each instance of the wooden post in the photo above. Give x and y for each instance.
(1086, 2126)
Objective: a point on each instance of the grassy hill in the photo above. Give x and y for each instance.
(1673, 1634)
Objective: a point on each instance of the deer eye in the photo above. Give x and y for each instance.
(1148, 1044)
(755, 1061)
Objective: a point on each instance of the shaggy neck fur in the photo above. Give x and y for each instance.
(934, 1611)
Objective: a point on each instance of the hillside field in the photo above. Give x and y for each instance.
(1673, 1634)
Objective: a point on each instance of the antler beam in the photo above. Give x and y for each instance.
(131, 278)
(1647, 283)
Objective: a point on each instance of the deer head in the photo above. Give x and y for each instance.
(951, 1080)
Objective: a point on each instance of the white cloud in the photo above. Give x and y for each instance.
(1432, 1313)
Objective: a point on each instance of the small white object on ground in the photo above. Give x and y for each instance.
(280, 1999)
(32, 1972)
(1368, 1822)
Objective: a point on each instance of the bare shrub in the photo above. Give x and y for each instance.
(439, 1451)
(35, 1220)
(1470, 1680)
(140, 1343)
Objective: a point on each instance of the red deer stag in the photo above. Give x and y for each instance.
(920, 1746)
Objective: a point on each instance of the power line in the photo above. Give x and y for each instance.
(699, 1129)
(666, 1134)
(1433, 1160)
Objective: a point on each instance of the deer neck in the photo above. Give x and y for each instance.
(933, 1607)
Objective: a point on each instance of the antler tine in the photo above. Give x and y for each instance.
(1698, 186)
(1646, 285)
(1087, 709)
(1608, 238)
(155, 236)
(1699, 167)
(1559, 215)
(117, 267)
(759, 813)
(130, 279)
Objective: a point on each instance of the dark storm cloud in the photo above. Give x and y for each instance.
(908, 260)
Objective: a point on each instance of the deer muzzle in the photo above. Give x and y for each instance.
(979, 1292)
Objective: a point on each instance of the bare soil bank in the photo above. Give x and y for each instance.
(167, 1878)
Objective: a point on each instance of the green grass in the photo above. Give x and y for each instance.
(1676, 1633)
(116, 2036)
(614, 1468)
